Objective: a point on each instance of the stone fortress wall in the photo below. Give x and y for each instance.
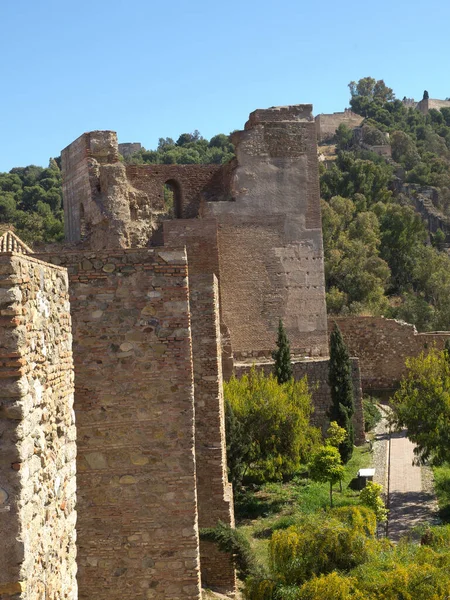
(37, 431)
(327, 124)
(162, 303)
(382, 346)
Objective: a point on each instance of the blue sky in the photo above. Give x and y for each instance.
(157, 69)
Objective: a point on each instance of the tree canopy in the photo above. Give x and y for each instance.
(422, 405)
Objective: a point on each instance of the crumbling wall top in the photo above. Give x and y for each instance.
(295, 112)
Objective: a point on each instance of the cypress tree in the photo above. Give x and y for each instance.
(282, 356)
(341, 385)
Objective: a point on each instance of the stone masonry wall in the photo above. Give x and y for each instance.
(326, 125)
(215, 501)
(382, 346)
(317, 373)
(193, 183)
(37, 432)
(215, 495)
(270, 237)
(137, 528)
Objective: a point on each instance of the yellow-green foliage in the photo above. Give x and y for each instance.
(259, 589)
(329, 557)
(359, 518)
(275, 419)
(408, 572)
(330, 587)
(320, 544)
(371, 497)
(335, 434)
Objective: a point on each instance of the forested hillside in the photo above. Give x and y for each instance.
(31, 200)
(380, 258)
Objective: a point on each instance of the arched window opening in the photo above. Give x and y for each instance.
(83, 231)
(172, 199)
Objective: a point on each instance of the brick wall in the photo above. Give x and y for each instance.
(137, 528)
(215, 501)
(37, 432)
(215, 496)
(270, 237)
(382, 346)
(194, 182)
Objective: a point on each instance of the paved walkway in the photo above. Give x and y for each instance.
(409, 504)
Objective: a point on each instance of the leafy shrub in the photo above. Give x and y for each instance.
(329, 587)
(360, 518)
(317, 546)
(372, 414)
(275, 435)
(233, 542)
(371, 497)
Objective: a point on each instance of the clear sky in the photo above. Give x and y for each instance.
(151, 69)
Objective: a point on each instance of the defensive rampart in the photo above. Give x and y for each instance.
(37, 432)
(382, 346)
(327, 124)
(134, 403)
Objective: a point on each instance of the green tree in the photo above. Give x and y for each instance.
(371, 497)
(335, 435)
(274, 424)
(282, 356)
(326, 467)
(238, 446)
(422, 405)
(341, 387)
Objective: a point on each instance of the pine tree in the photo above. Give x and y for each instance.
(341, 385)
(282, 357)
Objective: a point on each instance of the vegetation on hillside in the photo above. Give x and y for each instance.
(379, 257)
(189, 149)
(422, 405)
(31, 200)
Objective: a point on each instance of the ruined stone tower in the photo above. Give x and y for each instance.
(164, 300)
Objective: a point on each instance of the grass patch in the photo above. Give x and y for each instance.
(442, 487)
(263, 509)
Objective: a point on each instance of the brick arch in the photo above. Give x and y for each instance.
(175, 186)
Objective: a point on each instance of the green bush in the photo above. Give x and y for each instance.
(270, 430)
(233, 542)
(317, 546)
(372, 414)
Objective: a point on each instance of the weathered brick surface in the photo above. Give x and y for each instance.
(215, 502)
(137, 528)
(316, 372)
(270, 237)
(37, 432)
(193, 184)
(383, 345)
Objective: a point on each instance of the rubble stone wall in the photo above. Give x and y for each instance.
(192, 184)
(134, 403)
(37, 432)
(382, 346)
